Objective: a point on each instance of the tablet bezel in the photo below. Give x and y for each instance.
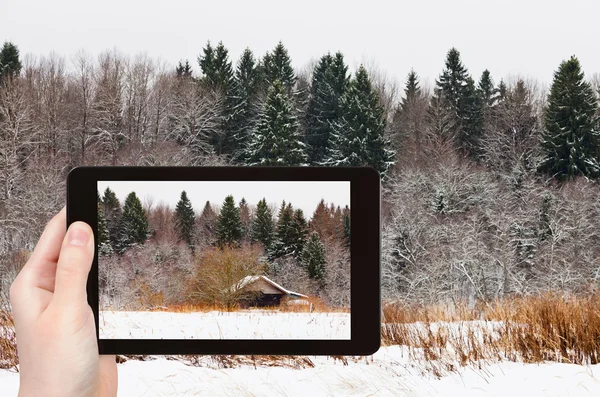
(365, 198)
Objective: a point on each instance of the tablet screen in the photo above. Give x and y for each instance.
(224, 259)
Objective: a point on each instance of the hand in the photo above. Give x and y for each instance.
(54, 325)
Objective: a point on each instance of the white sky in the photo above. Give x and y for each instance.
(304, 195)
(509, 37)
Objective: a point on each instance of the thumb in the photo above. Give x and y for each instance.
(74, 264)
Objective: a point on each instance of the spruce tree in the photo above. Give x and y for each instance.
(104, 247)
(183, 70)
(246, 108)
(407, 124)
(207, 225)
(276, 140)
(277, 66)
(313, 257)
(358, 138)
(207, 63)
(111, 208)
(329, 83)
(570, 139)
(185, 220)
(298, 233)
(10, 64)
(262, 226)
(134, 224)
(283, 242)
(456, 90)
(486, 88)
(229, 224)
(245, 218)
(347, 223)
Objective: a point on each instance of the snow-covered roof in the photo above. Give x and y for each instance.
(252, 279)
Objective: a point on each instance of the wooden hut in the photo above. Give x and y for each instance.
(261, 291)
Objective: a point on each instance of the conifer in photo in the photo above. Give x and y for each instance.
(185, 219)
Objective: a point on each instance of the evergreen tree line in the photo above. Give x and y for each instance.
(505, 149)
(290, 235)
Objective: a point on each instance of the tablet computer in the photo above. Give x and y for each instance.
(232, 260)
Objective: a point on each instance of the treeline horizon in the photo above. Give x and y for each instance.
(489, 187)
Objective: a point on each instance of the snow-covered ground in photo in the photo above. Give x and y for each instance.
(390, 372)
(249, 324)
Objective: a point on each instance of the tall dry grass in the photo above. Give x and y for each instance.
(8, 342)
(549, 327)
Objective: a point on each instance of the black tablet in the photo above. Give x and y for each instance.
(232, 260)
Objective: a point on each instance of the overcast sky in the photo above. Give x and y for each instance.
(303, 195)
(509, 37)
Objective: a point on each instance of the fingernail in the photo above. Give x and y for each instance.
(79, 235)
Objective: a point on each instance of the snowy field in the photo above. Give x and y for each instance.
(388, 373)
(250, 324)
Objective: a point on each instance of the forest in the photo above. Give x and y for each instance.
(489, 186)
(153, 256)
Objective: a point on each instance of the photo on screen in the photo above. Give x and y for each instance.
(224, 259)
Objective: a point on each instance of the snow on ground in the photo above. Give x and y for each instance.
(250, 324)
(388, 373)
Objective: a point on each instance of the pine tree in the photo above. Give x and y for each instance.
(276, 140)
(407, 124)
(277, 65)
(134, 224)
(10, 64)
(570, 139)
(358, 139)
(245, 218)
(104, 247)
(229, 225)
(185, 220)
(246, 88)
(313, 257)
(283, 242)
(207, 63)
(183, 70)
(207, 226)
(262, 226)
(111, 208)
(347, 223)
(298, 233)
(486, 88)
(456, 90)
(329, 83)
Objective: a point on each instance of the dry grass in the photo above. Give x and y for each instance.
(549, 327)
(8, 342)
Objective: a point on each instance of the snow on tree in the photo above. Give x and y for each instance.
(570, 140)
(185, 220)
(218, 75)
(277, 66)
(104, 246)
(246, 107)
(276, 140)
(329, 83)
(134, 224)
(358, 137)
(229, 224)
(313, 257)
(283, 242)
(347, 223)
(262, 226)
